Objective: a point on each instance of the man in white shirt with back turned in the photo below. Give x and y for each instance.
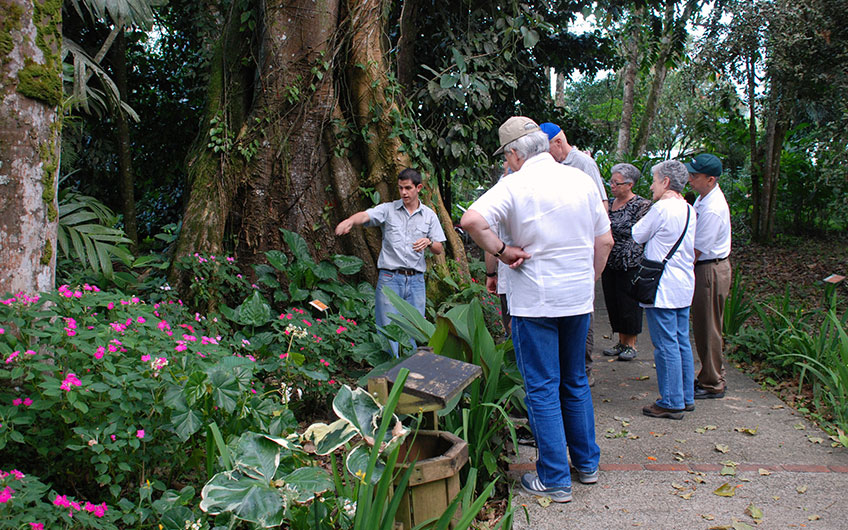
(712, 274)
(559, 239)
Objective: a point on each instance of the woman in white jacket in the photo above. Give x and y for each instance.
(668, 317)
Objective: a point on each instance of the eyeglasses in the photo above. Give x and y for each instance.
(613, 183)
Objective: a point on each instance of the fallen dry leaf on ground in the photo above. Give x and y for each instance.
(725, 490)
(754, 513)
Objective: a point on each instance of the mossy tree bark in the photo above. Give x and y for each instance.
(319, 124)
(30, 128)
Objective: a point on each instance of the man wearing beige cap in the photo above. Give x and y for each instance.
(560, 239)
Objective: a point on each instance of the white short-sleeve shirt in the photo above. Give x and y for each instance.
(659, 230)
(713, 236)
(554, 212)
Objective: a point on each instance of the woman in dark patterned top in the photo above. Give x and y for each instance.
(626, 208)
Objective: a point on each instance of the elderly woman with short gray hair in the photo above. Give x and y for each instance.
(625, 209)
(668, 317)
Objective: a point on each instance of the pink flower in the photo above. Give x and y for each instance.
(190, 338)
(27, 403)
(101, 351)
(17, 402)
(139, 433)
(2, 331)
(180, 346)
(70, 380)
(17, 474)
(110, 305)
(332, 381)
(6, 494)
(284, 355)
(145, 358)
(308, 323)
(12, 356)
(340, 329)
(61, 500)
(113, 437)
(36, 526)
(30, 352)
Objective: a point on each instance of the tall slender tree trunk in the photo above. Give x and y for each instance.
(559, 89)
(651, 105)
(756, 154)
(628, 97)
(126, 177)
(406, 45)
(776, 127)
(30, 130)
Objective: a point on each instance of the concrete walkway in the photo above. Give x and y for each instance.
(662, 474)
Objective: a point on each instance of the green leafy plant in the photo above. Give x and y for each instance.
(87, 233)
(461, 333)
(738, 307)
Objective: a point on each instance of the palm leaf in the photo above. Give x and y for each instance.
(87, 233)
(128, 12)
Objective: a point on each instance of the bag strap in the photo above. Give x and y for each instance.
(679, 239)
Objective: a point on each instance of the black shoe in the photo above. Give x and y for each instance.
(614, 351)
(703, 393)
(689, 408)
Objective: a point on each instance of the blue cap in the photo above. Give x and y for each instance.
(551, 129)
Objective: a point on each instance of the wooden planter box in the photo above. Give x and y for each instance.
(434, 482)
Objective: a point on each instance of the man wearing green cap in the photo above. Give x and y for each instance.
(712, 274)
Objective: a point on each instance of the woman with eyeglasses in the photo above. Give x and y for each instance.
(624, 312)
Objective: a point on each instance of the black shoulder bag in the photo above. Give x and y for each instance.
(645, 281)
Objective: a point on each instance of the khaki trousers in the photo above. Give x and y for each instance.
(712, 285)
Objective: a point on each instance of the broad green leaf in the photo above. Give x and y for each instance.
(248, 499)
(225, 390)
(358, 408)
(297, 245)
(195, 388)
(347, 265)
(277, 259)
(325, 271)
(255, 311)
(175, 518)
(328, 438)
(257, 456)
(447, 81)
(186, 422)
(357, 464)
(309, 481)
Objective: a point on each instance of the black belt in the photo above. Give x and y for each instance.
(714, 260)
(405, 272)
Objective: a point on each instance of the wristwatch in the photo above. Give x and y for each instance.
(498, 253)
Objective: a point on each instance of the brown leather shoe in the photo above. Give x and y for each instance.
(655, 411)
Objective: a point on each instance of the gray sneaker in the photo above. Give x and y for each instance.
(614, 351)
(531, 484)
(628, 353)
(586, 478)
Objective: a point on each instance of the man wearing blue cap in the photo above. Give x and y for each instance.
(712, 274)
(567, 155)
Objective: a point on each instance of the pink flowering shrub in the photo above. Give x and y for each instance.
(124, 399)
(25, 502)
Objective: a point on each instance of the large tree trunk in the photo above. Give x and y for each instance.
(126, 177)
(30, 129)
(641, 143)
(318, 128)
(406, 66)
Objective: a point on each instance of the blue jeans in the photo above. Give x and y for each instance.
(551, 357)
(673, 356)
(410, 288)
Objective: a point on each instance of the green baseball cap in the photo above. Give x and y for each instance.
(706, 163)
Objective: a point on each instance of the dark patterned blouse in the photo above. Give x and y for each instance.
(626, 253)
